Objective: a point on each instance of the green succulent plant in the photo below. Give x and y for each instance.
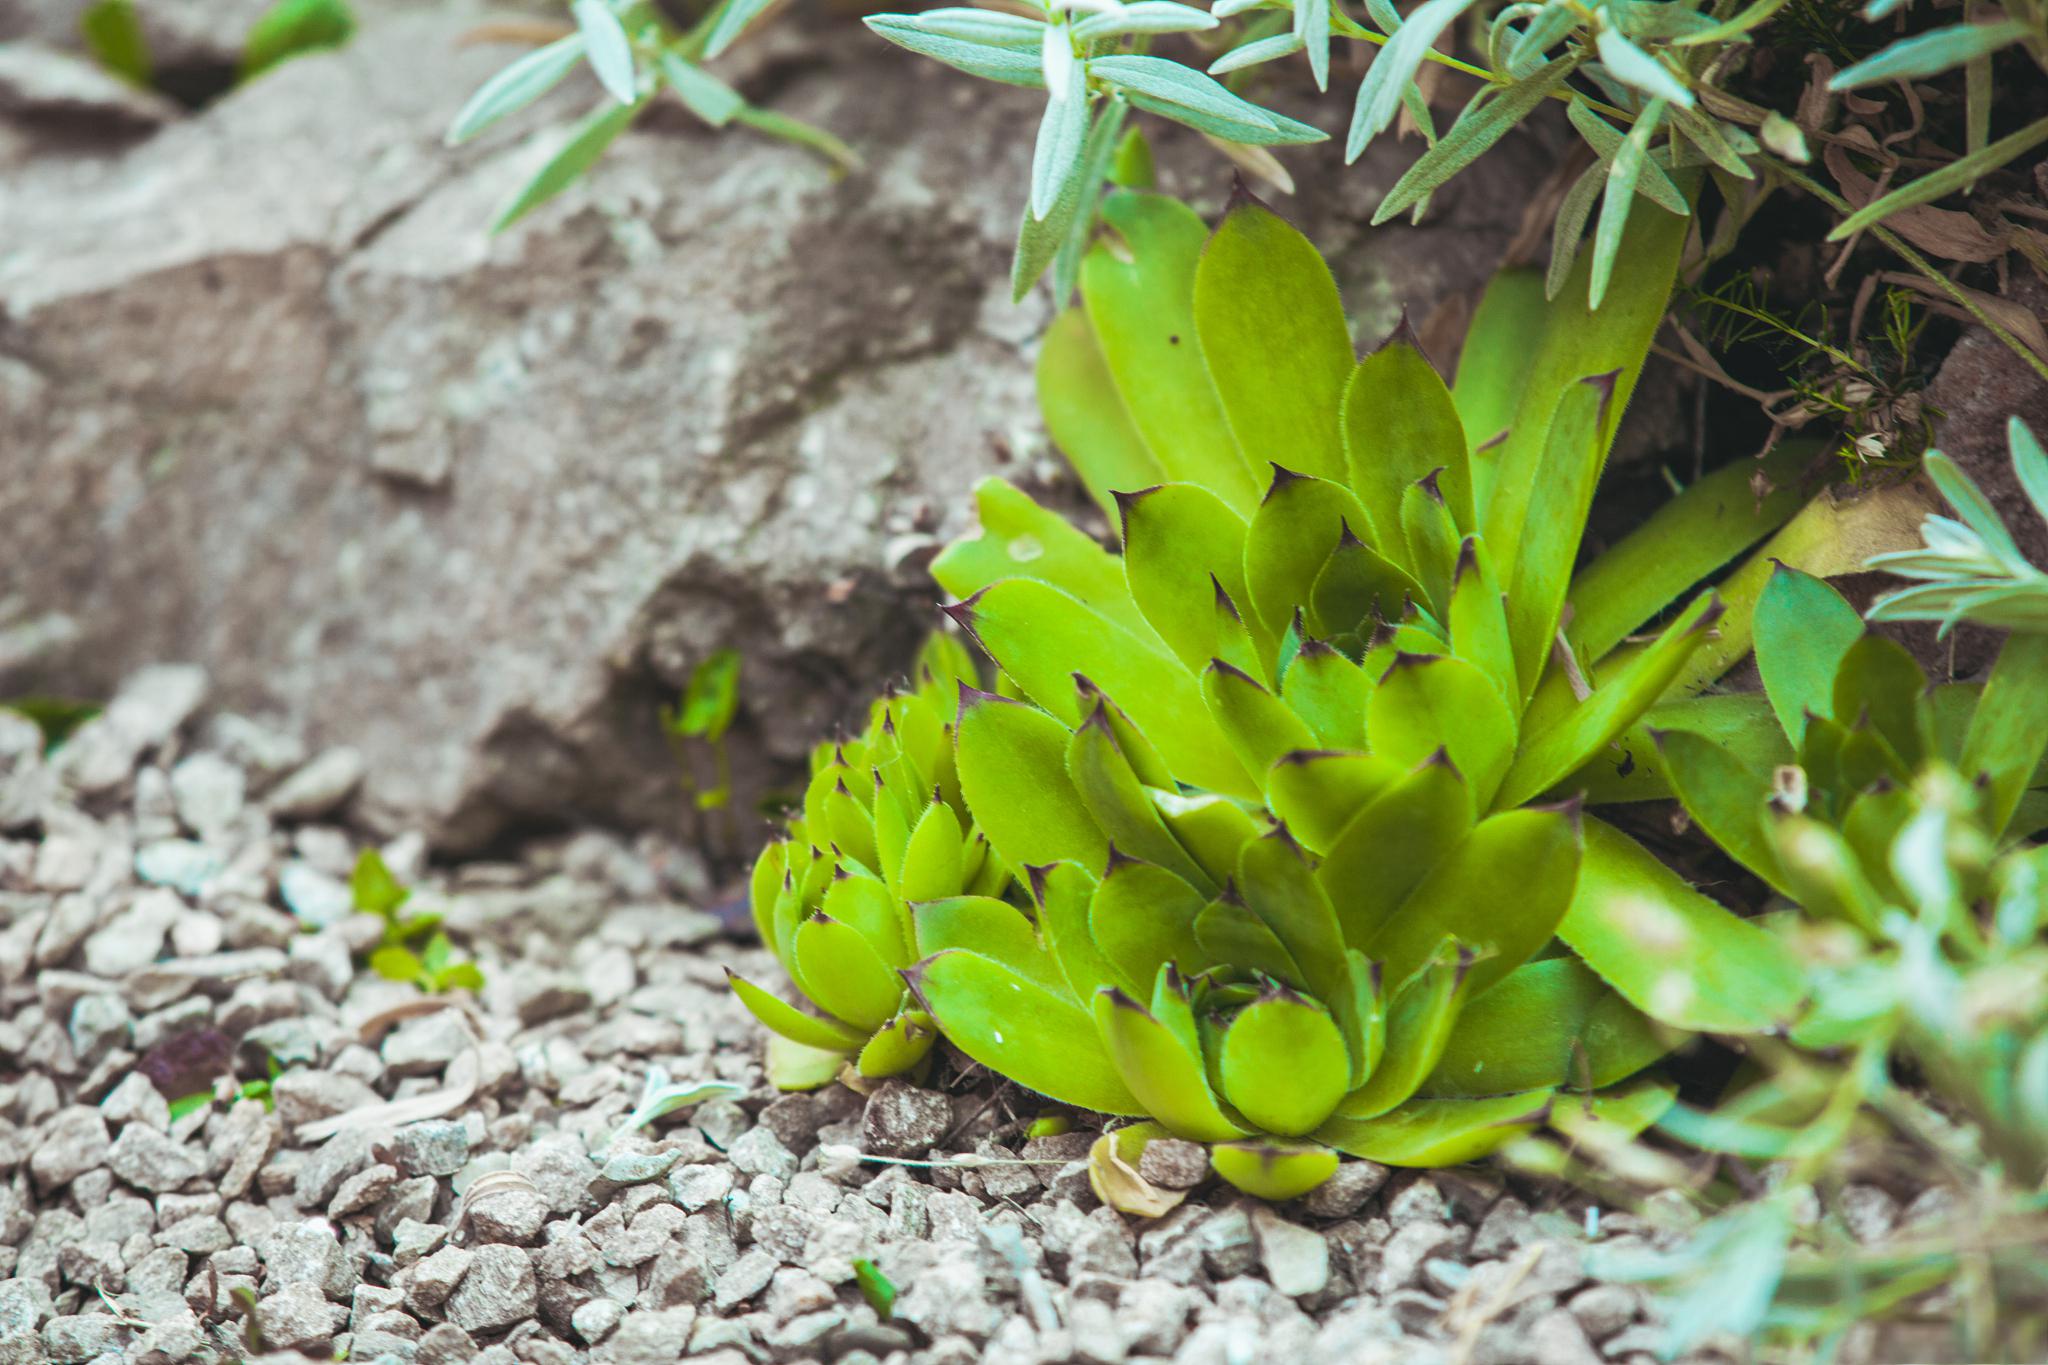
(882, 828)
(1292, 777)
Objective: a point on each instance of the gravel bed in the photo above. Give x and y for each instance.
(174, 900)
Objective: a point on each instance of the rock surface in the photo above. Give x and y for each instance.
(476, 506)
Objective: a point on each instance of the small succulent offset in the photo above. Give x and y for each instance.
(882, 828)
(635, 52)
(1286, 786)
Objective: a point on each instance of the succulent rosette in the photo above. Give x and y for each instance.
(1290, 785)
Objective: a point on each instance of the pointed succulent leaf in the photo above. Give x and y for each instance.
(1085, 415)
(1478, 617)
(1389, 846)
(864, 905)
(844, 974)
(1017, 1028)
(1501, 892)
(1550, 755)
(2009, 728)
(1803, 629)
(1357, 589)
(1871, 825)
(1140, 291)
(1726, 798)
(792, 1066)
(1179, 537)
(1020, 539)
(1577, 341)
(1675, 955)
(1272, 1168)
(1361, 1015)
(850, 822)
(1493, 366)
(1262, 290)
(1065, 893)
(1211, 828)
(764, 887)
(995, 929)
(1284, 1064)
(1121, 804)
(1142, 917)
(1432, 539)
(1013, 770)
(1231, 935)
(1879, 683)
(1279, 886)
(892, 827)
(1399, 424)
(1686, 539)
(1427, 703)
(1552, 1023)
(1315, 793)
(1439, 1132)
(935, 859)
(897, 1046)
(1419, 1019)
(792, 1023)
(1258, 725)
(1556, 521)
(1042, 638)
(1328, 692)
(1298, 523)
(1160, 1071)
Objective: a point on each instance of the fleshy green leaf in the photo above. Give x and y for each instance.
(1318, 792)
(1143, 917)
(1181, 542)
(1399, 424)
(788, 1021)
(1262, 290)
(1431, 702)
(1280, 887)
(114, 37)
(1298, 523)
(1502, 891)
(1328, 692)
(1013, 770)
(1017, 1028)
(846, 976)
(1803, 628)
(1439, 1132)
(1493, 366)
(1085, 416)
(1140, 291)
(2009, 728)
(1424, 815)
(1675, 955)
(1726, 798)
(1283, 1064)
(1551, 754)
(1552, 1023)
(1119, 801)
(1166, 1078)
(1268, 1168)
(1042, 638)
(1020, 539)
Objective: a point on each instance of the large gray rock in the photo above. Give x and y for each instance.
(276, 405)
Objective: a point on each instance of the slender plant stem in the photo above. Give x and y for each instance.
(1913, 258)
(1351, 28)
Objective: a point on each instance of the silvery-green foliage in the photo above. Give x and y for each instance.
(635, 53)
(1968, 568)
(1090, 58)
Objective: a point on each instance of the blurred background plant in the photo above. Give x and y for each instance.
(703, 714)
(114, 33)
(637, 51)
